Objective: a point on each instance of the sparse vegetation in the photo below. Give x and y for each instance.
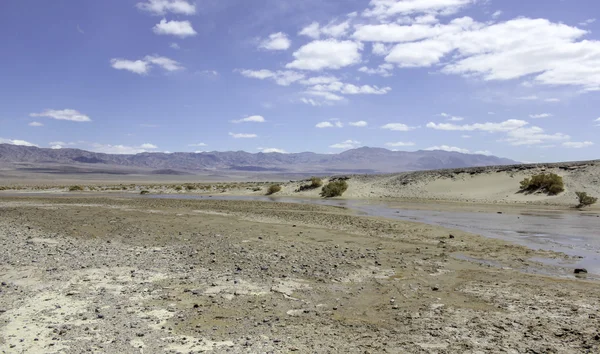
(190, 187)
(274, 188)
(75, 189)
(585, 199)
(178, 188)
(334, 189)
(256, 189)
(315, 182)
(551, 184)
(144, 192)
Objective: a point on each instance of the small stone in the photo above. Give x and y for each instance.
(435, 288)
(451, 236)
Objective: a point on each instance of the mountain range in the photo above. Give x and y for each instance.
(360, 160)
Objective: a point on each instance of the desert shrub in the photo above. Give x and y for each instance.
(178, 188)
(256, 189)
(334, 189)
(315, 182)
(550, 184)
(585, 199)
(190, 187)
(75, 189)
(144, 192)
(274, 188)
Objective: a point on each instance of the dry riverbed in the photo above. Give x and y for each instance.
(119, 275)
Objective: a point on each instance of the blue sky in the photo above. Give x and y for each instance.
(509, 78)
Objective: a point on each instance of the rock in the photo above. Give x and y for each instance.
(451, 236)
(435, 288)
(580, 271)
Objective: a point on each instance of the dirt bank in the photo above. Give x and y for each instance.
(122, 276)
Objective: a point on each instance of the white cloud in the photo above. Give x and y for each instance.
(533, 136)
(360, 123)
(448, 148)
(272, 150)
(350, 89)
(135, 66)
(494, 16)
(587, 22)
(398, 127)
(283, 78)
(335, 30)
(148, 146)
(541, 115)
(577, 145)
(119, 149)
(336, 124)
(326, 54)
(380, 49)
(451, 117)
(387, 8)
(161, 7)
(174, 28)
(56, 147)
(174, 45)
(552, 100)
(465, 136)
(383, 70)
(311, 102)
(276, 41)
(325, 95)
(243, 136)
(483, 152)
(197, 145)
(597, 120)
(313, 31)
(250, 119)
(163, 62)
(207, 73)
(35, 124)
(400, 144)
(348, 144)
(505, 126)
(143, 66)
(16, 142)
(319, 80)
(64, 114)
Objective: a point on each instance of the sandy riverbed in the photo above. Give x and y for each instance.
(126, 275)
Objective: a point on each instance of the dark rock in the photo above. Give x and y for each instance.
(451, 236)
(580, 271)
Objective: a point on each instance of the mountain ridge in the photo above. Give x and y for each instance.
(363, 160)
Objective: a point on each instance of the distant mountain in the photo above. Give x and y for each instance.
(362, 160)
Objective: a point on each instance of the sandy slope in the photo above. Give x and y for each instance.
(478, 185)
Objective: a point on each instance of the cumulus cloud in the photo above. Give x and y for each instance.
(16, 142)
(451, 117)
(64, 114)
(541, 115)
(143, 66)
(398, 127)
(388, 8)
(197, 145)
(276, 41)
(174, 45)
(448, 148)
(281, 77)
(122, 149)
(326, 54)
(483, 152)
(180, 29)
(400, 144)
(35, 124)
(333, 124)
(348, 144)
(243, 136)
(272, 150)
(251, 119)
(360, 123)
(161, 7)
(577, 145)
(505, 126)
(333, 29)
(384, 70)
(496, 15)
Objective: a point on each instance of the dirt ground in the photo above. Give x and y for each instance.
(117, 275)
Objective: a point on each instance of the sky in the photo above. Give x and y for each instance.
(515, 79)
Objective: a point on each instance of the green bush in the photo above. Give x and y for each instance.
(551, 184)
(144, 192)
(334, 189)
(75, 189)
(585, 199)
(190, 187)
(274, 188)
(178, 188)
